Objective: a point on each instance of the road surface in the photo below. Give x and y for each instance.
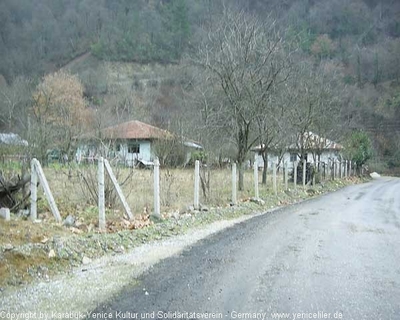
(335, 257)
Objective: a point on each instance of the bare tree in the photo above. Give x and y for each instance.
(273, 129)
(14, 100)
(241, 57)
(313, 97)
(60, 112)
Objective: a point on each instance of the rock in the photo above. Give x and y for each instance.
(119, 249)
(289, 192)
(154, 218)
(78, 224)
(52, 254)
(76, 230)
(44, 240)
(204, 208)
(311, 191)
(190, 209)
(375, 175)
(69, 221)
(5, 213)
(175, 215)
(23, 213)
(8, 247)
(258, 201)
(86, 260)
(42, 271)
(126, 223)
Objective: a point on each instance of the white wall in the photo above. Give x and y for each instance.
(90, 153)
(325, 156)
(130, 158)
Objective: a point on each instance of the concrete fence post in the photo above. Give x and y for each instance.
(156, 212)
(327, 177)
(345, 169)
(234, 186)
(341, 169)
(102, 207)
(118, 189)
(350, 168)
(334, 169)
(295, 174)
(286, 176)
(314, 172)
(5, 214)
(274, 178)
(197, 185)
(256, 192)
(338, 169)
(304, 173)
(46, 189)
(329, 170)
(34, 180)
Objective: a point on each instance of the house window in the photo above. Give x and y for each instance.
(134, 148)
(293, 157)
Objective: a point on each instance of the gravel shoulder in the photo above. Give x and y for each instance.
(103, 277)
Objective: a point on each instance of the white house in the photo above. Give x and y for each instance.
(129, 142)
(12, 139)
(316, 149)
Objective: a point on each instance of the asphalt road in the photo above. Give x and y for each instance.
(335, 257)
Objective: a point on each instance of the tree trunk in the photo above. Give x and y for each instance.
(241, 176)
(265, 169)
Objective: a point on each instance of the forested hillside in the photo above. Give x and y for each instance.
(145, 59)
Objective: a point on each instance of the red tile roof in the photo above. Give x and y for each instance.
(136, 130)
(311, 141)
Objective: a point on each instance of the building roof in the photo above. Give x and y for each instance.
(311, 141)
(12, 139)
(136, 130)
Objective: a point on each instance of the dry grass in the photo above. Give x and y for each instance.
(78, 197)
(24, 231)
(18, 267)
(176, 190)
